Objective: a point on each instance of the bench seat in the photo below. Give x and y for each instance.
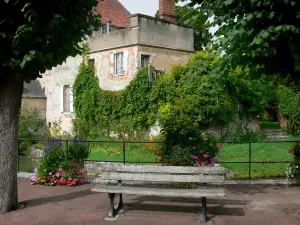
(185, 193)
(164, 174)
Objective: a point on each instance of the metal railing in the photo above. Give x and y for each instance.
(125, 160)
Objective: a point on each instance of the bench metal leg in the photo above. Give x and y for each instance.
(111, 204)
(120, 202)
(204, 212)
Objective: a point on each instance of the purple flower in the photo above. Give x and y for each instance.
(205, 139)
(57, 175)
(35, 170)
(194, 157)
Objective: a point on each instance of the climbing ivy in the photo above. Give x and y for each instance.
(193, 93)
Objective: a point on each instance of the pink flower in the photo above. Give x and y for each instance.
(35, 170)
(57, 174)
(194, 157)
(205, 155)
(194, 147)
(205, 139)
(34, 178)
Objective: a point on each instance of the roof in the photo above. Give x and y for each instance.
(34, 89)
(115, 12)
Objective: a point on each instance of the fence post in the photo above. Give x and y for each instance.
(67, 146)
(250, 159)
(124, 154)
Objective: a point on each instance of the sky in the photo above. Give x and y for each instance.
(147, 7)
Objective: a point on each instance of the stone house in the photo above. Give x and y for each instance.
(124, 44)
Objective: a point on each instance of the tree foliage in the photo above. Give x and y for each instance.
(260, 34)
(37, 35)
(198, 20)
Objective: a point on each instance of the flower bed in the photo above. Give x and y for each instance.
(61, 164)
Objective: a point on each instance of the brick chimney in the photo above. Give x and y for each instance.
(166, 8)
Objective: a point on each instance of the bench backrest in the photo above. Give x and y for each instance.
(162, 173)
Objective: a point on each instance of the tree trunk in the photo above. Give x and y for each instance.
(11, 89)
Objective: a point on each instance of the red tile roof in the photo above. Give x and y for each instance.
(115, 12)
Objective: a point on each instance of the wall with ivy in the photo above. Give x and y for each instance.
(197, 93)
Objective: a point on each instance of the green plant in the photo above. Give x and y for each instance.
(31, 126)
(54, 156)
(78, 151)
(293, 168)
(289, 104)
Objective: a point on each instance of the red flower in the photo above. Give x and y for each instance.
(44, 177)
(52, 171)
(63, 182)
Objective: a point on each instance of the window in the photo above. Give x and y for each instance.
(145, 60)
(67, 94)
(119, 63)
(103, 29)
(66, 99)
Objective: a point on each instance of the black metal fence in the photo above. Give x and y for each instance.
(128, 152)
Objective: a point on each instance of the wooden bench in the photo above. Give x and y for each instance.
(165, 174)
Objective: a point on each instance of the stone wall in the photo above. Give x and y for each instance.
(104, 66)
(146, 30)
(54, 80)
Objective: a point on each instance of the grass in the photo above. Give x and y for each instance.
(261, 152)
(269, 125)
(27, 165)
(144, 153)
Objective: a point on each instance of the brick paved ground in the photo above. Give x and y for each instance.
(243, 204)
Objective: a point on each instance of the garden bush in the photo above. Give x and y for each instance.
(293, 168)
(57, 165)
(183, 143)
(31, 126)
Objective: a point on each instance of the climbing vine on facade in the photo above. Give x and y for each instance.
(196, 92)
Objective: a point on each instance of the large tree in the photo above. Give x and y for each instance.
(262, 35)
(196, 18)
(34, 36)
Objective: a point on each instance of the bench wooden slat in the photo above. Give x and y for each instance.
(162, 177)
(163, 169)
(190, 193)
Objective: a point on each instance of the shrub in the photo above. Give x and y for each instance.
(77, 151)
(293, 168)
(184, 144)
(31, 126)
(57, 166)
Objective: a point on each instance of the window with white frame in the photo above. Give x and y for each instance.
(103, 29)
(145, 60)
(66, 99)
(119, 63)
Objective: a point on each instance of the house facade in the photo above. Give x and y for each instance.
(124, 44)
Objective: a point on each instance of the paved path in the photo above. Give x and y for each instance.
(243, 205)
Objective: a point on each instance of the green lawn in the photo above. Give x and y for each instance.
(114, 152)
(261, 152)
(141, 153)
